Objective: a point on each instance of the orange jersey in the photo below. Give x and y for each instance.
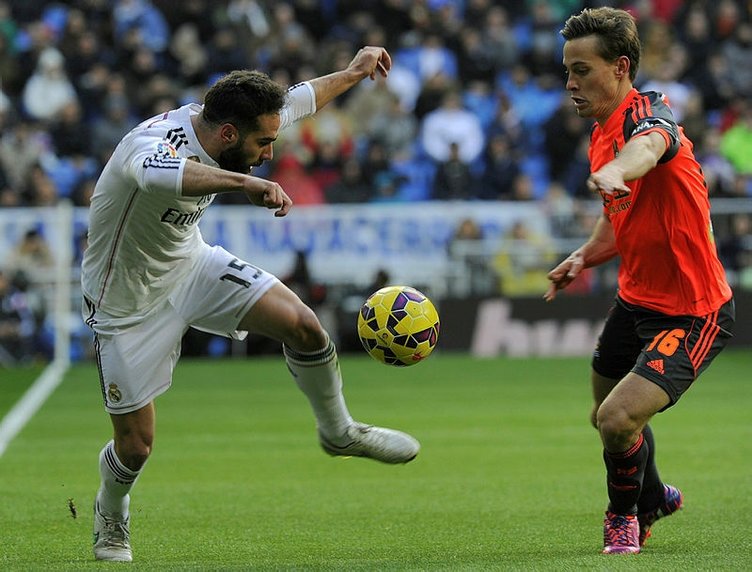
(663, 231)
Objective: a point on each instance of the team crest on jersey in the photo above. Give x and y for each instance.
(165, 149)
(113, 393)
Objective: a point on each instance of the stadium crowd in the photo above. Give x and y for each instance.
(474, 107)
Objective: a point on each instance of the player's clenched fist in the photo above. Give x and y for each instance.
(264, 193)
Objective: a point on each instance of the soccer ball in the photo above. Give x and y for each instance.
(398, 325)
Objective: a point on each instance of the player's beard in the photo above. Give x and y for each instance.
(233, 159)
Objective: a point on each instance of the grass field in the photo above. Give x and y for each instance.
(510, 475)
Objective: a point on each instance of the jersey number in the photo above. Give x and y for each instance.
(667, 341)
(240, 266)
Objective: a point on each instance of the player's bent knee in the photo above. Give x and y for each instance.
(133, 451)
(307, 334)
(616, 427)
(594, 416)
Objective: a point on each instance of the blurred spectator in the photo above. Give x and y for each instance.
(368, 101)
(333, 126)
(469, 260)
(326, 166)
(448, 124)
(454, 180)
(542, 55)
(716, 86)
(299, 280)
(22, 147)
(289, 46)
(666, 81)
(735, 249)
(500, 170)
(39, 188)
(737, 51)
(431, 95)
(559, 207)
(190, 55)
(532, 101)
(718, 171)
(10, 69)
(386, 186)
(32, 255)
(563, 133)
(522, 188)
(48, 90)
(71, 136)
(82, 193)
(224, 54)
(479, 98)
(523, 261)
(8, 196)
(736, 142)
(143, 21)
(695, 121)
(394, 128)
(475, 59)
(17, 324)
(108, 129)
(250, 15)
(292, 176)
(375, 163)
(350, 188)
(695, 34)
(430, 58)
(381, 279)
(498, 36)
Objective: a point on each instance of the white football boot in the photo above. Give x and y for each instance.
(385, 445)
(111, 538)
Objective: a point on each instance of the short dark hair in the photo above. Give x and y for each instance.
(616, 30)
(240, 97)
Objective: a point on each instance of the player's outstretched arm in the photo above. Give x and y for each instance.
(370, 61)
(639, 155)
(200, 180)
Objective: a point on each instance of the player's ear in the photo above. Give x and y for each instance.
(229, 134)
(622, 67)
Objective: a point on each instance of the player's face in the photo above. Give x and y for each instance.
(254, 148)
(596, 85)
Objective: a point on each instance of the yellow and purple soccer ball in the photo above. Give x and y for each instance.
(398, 325)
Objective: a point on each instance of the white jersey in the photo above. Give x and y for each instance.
(143, 232)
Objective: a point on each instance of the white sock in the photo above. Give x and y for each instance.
(117, 480)
(318, 376)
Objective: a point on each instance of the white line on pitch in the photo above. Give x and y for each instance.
(30, 402)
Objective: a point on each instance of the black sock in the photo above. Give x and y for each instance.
(651, 494)
(624, 475)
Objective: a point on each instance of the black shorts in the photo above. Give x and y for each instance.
(670, 351)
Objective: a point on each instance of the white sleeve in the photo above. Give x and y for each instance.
(301, 102)
(154, 164)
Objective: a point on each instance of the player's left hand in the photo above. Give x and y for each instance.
(561, 276)
(372, 60)
(264, 193)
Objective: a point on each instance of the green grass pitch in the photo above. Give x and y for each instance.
(510, 475)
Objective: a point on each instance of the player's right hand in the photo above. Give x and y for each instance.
(563, 274)
(264, 193)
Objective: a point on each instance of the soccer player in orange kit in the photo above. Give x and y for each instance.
(674, 310)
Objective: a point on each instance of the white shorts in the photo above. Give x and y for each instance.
(136, 362)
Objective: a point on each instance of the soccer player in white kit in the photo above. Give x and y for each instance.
(147, 274)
